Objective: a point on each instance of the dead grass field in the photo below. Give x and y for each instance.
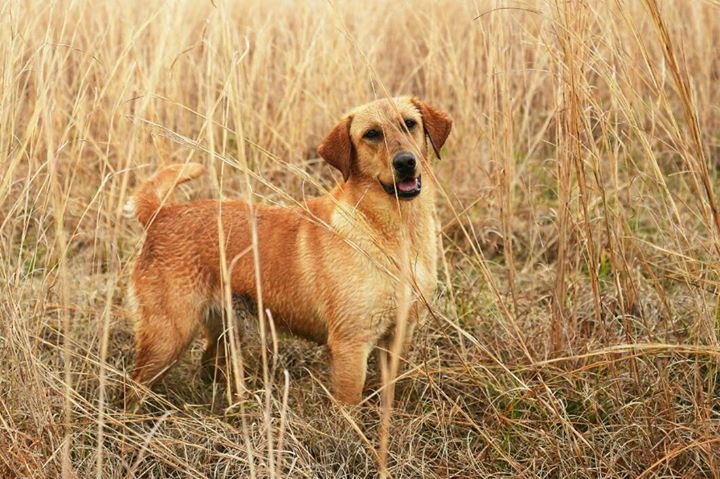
(574, 333)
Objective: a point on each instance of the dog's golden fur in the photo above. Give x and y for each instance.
(329, 270)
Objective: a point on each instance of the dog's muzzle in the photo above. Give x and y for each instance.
(406, 184)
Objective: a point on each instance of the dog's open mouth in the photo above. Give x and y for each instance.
(405, 189)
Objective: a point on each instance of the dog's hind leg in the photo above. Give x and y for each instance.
(215, 363)
(163, 334)
(213, 358)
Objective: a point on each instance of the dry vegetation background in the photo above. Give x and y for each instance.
(575, 328)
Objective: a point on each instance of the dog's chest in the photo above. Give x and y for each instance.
(388, 270)
(390, 293)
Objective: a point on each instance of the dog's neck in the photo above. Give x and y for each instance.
(392, 233)
(391, 216)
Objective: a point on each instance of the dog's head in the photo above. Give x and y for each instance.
(385, 144)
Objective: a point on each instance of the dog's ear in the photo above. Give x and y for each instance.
(337, 148)
(436, 123)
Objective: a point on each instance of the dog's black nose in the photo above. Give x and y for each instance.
(404, 163)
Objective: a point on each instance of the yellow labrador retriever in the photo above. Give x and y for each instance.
(329, 271)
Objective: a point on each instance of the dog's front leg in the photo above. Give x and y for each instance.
(348, 368)
(387, 343)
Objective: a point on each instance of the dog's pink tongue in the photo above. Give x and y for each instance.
(407, 185)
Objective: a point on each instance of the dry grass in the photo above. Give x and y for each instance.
(575, 328)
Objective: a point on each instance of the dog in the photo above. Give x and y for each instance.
(331, 269)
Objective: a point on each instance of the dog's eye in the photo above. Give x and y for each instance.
(372, 134)
(410, 123)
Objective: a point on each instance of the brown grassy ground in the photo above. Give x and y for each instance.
(575, 328)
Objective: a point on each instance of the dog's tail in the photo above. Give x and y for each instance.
(149, 196)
